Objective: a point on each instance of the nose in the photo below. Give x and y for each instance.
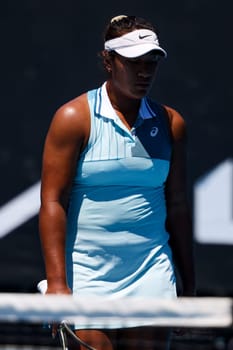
(146, 70)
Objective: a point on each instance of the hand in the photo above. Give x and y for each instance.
(53, 287)
(57, 289)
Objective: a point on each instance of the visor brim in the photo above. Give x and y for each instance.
(140, 50)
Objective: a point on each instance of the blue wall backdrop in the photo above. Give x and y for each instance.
(49, 55)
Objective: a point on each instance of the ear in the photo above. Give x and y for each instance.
(107, 60)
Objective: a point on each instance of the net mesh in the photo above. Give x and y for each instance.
(197, 323)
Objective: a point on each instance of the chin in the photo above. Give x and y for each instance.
(141, 92)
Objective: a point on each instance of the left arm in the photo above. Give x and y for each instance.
(179, 223)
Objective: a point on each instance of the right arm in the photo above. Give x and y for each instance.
(65, 139)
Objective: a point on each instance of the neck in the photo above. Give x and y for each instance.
(127, 108)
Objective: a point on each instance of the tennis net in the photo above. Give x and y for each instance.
(207, 321)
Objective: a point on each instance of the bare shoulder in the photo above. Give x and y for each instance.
(177, 124)
(75, 111)
(72, 118)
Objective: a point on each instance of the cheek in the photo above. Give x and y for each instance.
(129, 74)
(122, 75)
(122, 71)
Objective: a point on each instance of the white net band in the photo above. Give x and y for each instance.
(182, 312)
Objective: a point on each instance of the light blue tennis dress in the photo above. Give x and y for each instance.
(117, 244)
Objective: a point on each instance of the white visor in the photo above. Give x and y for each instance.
(135, 43)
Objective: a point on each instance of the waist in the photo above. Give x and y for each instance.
(137, 210)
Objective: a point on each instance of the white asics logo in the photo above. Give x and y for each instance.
(154, 131)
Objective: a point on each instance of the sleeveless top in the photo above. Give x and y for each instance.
(117, 244)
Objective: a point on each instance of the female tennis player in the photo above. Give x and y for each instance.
(114, 218)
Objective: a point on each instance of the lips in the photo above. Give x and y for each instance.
(143, 83)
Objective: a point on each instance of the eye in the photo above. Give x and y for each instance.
(156, 59)
(133, 61)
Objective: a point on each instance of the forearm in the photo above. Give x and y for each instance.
(52, 226)
(179, 225)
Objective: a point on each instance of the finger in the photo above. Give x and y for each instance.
(54, 330)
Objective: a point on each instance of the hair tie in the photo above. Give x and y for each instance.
(117, 18)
